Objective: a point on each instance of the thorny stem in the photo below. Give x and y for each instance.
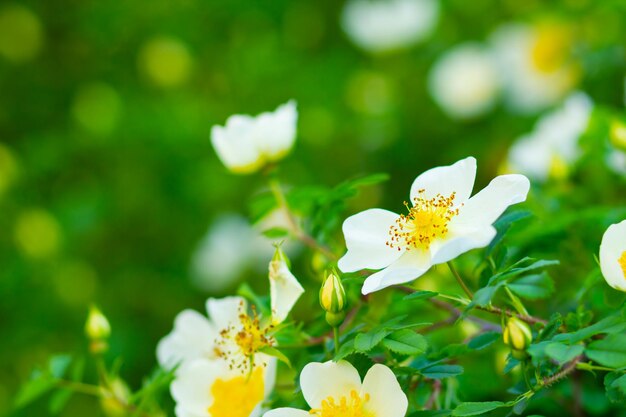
(460, 280)
(294, 227)
(564, 372)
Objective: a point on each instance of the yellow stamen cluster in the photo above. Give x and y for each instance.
(249, 336)
(346, 407)
(237, 397)
(426, 221)
(551, 48)
(622, 263)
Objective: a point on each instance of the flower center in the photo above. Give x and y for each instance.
(622, 263)
(426, 221)
(238, 343)
(346, 407)
(238, 396)
(550, 49)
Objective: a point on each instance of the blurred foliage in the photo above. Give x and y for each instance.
(108, 180)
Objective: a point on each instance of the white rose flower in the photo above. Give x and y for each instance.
(536, 64)
(613, 256)
(442, 223)
(335, 389)
(552, 147)
(465, 81)
(245, 144)
(384, 25)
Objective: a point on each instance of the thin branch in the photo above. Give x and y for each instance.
(564, 372)
(456, 274)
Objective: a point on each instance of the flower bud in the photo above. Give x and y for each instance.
(97, 330)
(115, 398)
(332, 294)
(518, 336)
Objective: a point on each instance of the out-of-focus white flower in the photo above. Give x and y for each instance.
(536, 64)
(220, 360)
(233, 246)
(613, 256)
(245, 144)
(616, 161)
(552, 147)
(465, 81)
(443, 222)
(285, 289)
(384, 25)
(335, 389)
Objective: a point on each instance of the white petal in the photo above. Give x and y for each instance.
(366, 235)
(223, 312)
(411, 265)
(234, 144)
(458, 178)
(192, 387)
(612, 248)
(191, 338)
(274, 133)
(485, 207)
(320, 381)
(269, 375)
(386, 398)
(180, 411)
(287, 412)
(446, 250)
(284, 290)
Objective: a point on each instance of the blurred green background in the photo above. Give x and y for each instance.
(108, 181)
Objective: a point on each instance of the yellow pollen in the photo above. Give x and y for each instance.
(345, 407)
(551, 47)
(238, 396)
(248, 336)
(622, 263)
(426, 221)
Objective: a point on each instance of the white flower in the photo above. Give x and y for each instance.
(465, 81)
(616, 161)
(285, 289)
(247, 143)
(536, 64)
(613, 256)
(443, 222)
(335, 389)
(216, 355)
(383, 25)
(552, 147)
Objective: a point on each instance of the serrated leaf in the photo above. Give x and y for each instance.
(610, 351)
(406, 342)
(533, 287)
(421, 295)
(483, 340)
(346, 349)
(609, 325)
(364, 342)
(475, 408)
(483, 296)
(563, 353)
(272, 351)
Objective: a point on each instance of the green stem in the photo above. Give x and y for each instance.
(589, 367)
(460, 280)
(336, 338)
(80, 387)
(517, 303)
(525, 373)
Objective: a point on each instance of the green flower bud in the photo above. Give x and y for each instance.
(332, 294)
(518, 336)
(97, 330)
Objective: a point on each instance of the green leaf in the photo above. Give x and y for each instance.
(610, 351)
(431, 413)
(275, 233)
(406, 342)
(59, 364)
(475, 409)
(272, 351)
(483, 296)
(346, 349)
(364, 342)
(609, 325)
(59, 400)
(421, 295)
(615, 384)
(562, 353)
(39, 384)
(533, 287)
(483, 340)
(441, 371)
(521, 267)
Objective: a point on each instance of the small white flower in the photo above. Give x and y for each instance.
(384, 25)
(219, 359)
(335, 389)
(465, 81)
(536, 64)
(247, 143)
(285, 289)
(552, 147)
(613, 256)
(616, 161)
(443, 222)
